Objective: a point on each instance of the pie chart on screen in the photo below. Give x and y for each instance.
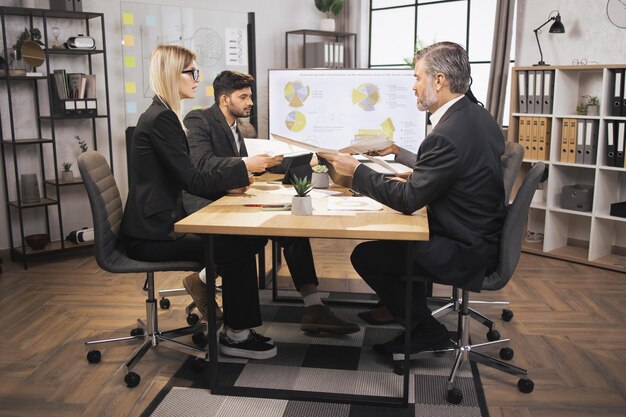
(296, 93)
(365, 96)
(295, 121)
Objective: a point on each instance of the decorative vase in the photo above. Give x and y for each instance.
(539, 196)
(29, 188)
(67, 176)
(320, 180)
(327, 25)
(301, 206)
(593, 110)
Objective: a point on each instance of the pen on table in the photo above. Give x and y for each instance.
(253, 205)
(355, 193)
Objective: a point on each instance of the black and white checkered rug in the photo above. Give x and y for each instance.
(320, 363)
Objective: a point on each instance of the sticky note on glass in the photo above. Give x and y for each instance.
(208, 90)
(128, 19)
(131, 107)
(131, 88)
(129, 61)
(128, 40)
(150, 20)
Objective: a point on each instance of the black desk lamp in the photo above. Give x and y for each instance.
(557, 27)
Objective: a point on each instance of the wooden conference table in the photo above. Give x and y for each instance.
(234, 215)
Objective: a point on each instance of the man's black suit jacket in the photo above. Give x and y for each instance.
(212, 147)
(161, 169)
(458, 177)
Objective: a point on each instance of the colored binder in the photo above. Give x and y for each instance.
(610, 143)
(564, 139)
(522, 89)
(618, 92)
(543, 149)
(591, 142)
(571, 147)
(531, 91)
(528, 133)
(534, 147)
(619, 155)
(521, 133)
(547, 92)
(538, 90)
(580, 141)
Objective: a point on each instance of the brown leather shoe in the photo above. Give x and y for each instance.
(319, 318)
(198, 291)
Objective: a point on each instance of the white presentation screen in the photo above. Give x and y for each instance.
(328, 108)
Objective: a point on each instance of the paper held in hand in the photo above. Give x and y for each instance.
(365, 143)
(371, 143)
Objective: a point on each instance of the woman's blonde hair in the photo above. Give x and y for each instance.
(166, 64)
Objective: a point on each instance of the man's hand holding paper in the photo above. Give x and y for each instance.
(259, 163)
(344, 163)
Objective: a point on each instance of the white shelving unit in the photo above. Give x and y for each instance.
(594, 237)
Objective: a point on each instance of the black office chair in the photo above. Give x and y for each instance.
(510, 251)
(511, 162)
(106, 209)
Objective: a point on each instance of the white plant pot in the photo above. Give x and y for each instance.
(539, 196)
(67, 176)
(320, 180)
(327, 25)
(593, 110)
(302, 206)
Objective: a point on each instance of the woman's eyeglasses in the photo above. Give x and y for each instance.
(195, 73)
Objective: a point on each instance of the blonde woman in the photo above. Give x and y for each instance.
(160, 170)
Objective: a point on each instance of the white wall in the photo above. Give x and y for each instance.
(588, 33)
(273, 18)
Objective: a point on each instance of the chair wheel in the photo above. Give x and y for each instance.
(455, 396)
(506, 353)
(94, 356)
(137, 331)
(164, 303)
(132, 379)
(199, 339)
(192, 318)
(525, 385)
(493, 335)
(507, 314)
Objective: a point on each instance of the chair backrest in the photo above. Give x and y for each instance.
(511, 162)
(106, 206)
(513, 230)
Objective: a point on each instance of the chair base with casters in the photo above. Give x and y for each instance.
(452, 303)
(151, 337)
(464, 351)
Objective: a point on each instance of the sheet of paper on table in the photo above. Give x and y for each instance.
(353, 204)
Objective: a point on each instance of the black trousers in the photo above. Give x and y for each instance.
(299, 258)
(382, 264)
(236, 264)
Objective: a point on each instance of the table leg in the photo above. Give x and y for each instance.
(209, 257)
(408, 324)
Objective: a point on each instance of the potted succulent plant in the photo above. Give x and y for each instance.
(301, 204)
(329, 7)
(320, 178)
(67, 175)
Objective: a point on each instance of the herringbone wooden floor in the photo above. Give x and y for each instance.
(569, 329)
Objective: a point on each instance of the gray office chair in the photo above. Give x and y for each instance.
(510, 252)
(106, 209)
(511, 162)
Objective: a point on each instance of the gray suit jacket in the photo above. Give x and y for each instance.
(213, 148)
(458, 177)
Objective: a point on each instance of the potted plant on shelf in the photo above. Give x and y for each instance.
(301, 204)
(329, 7)
(67, 175)
(593, 105)
(320, 178)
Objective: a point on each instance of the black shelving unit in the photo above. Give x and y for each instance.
(348, 39)
(47, 124)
